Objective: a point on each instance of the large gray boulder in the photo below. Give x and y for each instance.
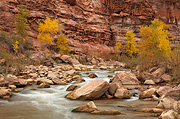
(92, 90)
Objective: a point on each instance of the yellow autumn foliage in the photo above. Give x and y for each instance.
(47, 30)
(130, 44)
(62, 45)
(16, 47)
(118, 47)
(154, 45)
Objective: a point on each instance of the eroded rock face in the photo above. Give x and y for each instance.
(91, 26)
(92, 90)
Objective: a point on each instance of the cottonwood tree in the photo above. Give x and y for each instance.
(154, 46)
(130, 44)
(47, 30)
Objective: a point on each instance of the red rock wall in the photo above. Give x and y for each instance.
(92, 26)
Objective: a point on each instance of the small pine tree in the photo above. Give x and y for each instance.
(130, 44)
(21, 19)
(47, 30)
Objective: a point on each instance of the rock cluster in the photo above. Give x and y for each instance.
(99, 88)
(168, 99)
(154, 76)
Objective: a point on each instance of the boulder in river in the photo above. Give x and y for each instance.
(89, 107)
(58, 81)
(124, 77)
(167, 102)
(92, 90)
(112, 88)
(93, 75)
(170, 114)
(20, 82)
(163, 90)
(149, 82)
(44, 80)
(44, 85)
(71, 88)
(122, 93)
(5, 93)
(148, 93)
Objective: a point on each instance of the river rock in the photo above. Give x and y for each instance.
(103, 68)
(70, 72)
(78, 79)
(170, 114)
(30, 81)
(69, 59)
(58, 81)
(149, 82)
(106, 112)
(174, 93)
(108, 95)
(122, 93)
(42, 58)
(5, 93)
(163, 90)
(3, 82)
(20, 82)
(93, 75)
(112, 88)
(167, 102)
(166, 78)
(44, 80)
(124, 77)
(71, 88)
(159, 72)
(44, 85)
(52, 75)
(92, 90)
(89, 107)
(12, 87)
(33, 75)
(148, 93)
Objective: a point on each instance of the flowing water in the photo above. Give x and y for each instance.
(49, 103)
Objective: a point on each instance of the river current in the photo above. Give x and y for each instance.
(49, 103)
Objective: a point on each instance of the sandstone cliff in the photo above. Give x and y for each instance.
(92, 26)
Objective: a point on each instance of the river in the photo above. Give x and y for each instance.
(49, 103)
